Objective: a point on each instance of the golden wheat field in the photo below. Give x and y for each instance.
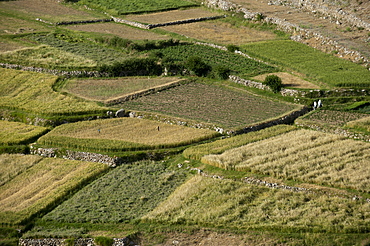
(303, 155)
(16, 132)
(203, 200)
(141, 131)
(40, 185)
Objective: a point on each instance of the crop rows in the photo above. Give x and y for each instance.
(303, 155)
(126, 193)
(41, 185)
(220, 146)
(206, 201)
(313, 63)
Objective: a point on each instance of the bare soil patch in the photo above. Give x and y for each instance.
(290, 80)
(221, 32)
(211, 103)
(168, 16)
(119, 30)
(48, 10)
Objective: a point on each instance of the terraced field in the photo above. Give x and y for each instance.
(282, 185)
(232, 109)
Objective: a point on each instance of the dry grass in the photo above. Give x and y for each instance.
(105, 89)
(51, 11)
(290, 80)
(119, 30)
(212, 31)
(18, 133)
(362, 124)
(41, 185)
(12, 165)
(221, 32)
(216, 202)
(304, 155)
(132, 130)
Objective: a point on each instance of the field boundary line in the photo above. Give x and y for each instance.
(179, 22)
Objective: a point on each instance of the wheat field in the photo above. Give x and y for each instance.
(41, 185)
(303, 155)
(207, 201)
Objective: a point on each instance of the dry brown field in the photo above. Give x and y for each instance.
(51, 11)
(220, 32)
(290, 80)
(212, 31)
(106, 89)
(119, 30)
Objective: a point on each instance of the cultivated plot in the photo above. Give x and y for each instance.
(211, 103)
(106, 89)
(41, 185)
(32, 92)
(19, 133)
(303, 155)
(123, 134)
(203, 200)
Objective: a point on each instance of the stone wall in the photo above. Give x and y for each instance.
(138, 94)
(299, 34)
(77, 242)
(335, 13)
(76, 155)
(286, 119)
(150, 26)
(306, 94)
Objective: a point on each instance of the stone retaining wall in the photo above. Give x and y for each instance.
(329, 11)
(55, 71)
(76, 155)
(150, 26)
(77, 242)
(286, 119)
(299, 34)
(306, 94)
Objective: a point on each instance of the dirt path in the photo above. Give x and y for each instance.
(352, 38)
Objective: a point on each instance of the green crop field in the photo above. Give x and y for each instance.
(41, 185)
(126, 193)
(212, 103)
(178, 179)
(304, 155)
(238, 64)
(316, 65)
(123, 134)
(12, 133)
(207, 201)
(137, 6)
(32, 92)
